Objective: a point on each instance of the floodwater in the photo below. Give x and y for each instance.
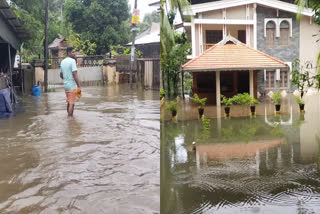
(104, 160)
(264, 164)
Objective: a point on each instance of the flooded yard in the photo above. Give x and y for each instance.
(104, 160)
(264, 164)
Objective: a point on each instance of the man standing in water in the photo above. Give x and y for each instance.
(68, 72)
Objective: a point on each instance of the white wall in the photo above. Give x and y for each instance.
(85, 74)
(309, 48)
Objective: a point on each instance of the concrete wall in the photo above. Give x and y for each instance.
(233, 30)
(216, 14)
(284, 53)
(86, 74)
(236, 12)
(232, 13)
(309, 48)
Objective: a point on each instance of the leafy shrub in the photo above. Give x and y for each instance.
(276, 98)
(299, 100)
(172, 106)
(201, 102)
(226, 101)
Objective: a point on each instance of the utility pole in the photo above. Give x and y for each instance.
(46, 49)
(134, 32)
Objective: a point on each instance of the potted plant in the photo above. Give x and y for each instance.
(253, 102)
(276, 100)
(162, 93)
(227, 102)
(300, 102)
(172, 107)
(201, 103)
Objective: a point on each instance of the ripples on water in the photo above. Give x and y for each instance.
(104, 160)
(242, 165)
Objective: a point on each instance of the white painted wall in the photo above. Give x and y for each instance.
(236, 12)
(309, 48)
(85, 75)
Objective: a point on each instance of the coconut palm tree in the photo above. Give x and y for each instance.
(167, 32)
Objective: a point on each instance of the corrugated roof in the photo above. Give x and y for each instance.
(12, 20)
(238, 56)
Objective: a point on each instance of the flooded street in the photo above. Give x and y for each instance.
(264, 164)
(104, 160)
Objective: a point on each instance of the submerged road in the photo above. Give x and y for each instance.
(104, 160)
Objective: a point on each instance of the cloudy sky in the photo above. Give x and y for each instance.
(143, 7)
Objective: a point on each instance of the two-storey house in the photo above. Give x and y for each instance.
(247, 46)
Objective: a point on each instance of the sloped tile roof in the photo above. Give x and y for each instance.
(58, 43)
(232, 57)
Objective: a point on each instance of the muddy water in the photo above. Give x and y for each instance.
(104, 160)
(264, 164)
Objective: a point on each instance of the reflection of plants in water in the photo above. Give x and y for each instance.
(205, 133)
(299, 122)
(277, 131)
(245, 132)
(227, 133)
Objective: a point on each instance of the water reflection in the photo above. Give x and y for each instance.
(104, 160)
(266, 164)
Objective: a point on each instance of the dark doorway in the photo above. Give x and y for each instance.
(243, 81)
(242, 36)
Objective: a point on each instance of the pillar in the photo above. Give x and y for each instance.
(251, 84)
(218, 88)
(109, 71)
(39, 72)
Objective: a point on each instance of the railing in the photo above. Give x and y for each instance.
(83, 61)
(208, 45)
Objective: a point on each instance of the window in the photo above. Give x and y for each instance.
(271, 79)
(284, 33)
(284, 79)
(272, 83)
(271, 34)
(213, 36)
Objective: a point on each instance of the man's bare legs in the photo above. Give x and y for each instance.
(70, 108)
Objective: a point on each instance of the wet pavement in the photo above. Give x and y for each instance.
(269, 163)
(104, 160)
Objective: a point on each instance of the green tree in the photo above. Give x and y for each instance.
(104, 23)
(169, 52)
(148, 19)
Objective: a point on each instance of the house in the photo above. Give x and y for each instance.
(148, 43)
(57, 51)
(12, 34)
(247, 46)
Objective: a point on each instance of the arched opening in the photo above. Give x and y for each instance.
(284, 33)
(271, 34)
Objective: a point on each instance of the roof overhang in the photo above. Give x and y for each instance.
(12, 30)
(217, 5)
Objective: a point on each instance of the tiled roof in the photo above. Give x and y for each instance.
(232, 57)
(58, 43)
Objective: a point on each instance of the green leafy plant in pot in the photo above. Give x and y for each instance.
(173, 108)
(162, 93)
(227, 102)
(300, 102)
(276, 100)
(253, 102)
(200, 102)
